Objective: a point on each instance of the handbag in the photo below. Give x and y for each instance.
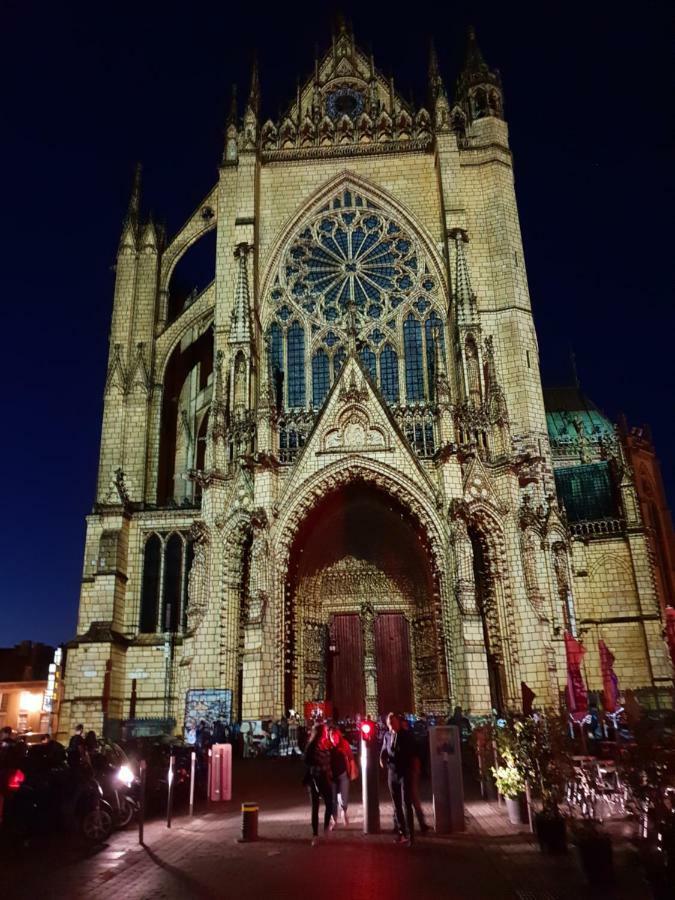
(353, 769)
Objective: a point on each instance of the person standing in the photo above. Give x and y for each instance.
(318, 778)
(218, 732)
(414, 776)
(341, 763)
(283, 736)
(76, 748)
(396, 756)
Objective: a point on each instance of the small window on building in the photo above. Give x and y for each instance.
(527, 357)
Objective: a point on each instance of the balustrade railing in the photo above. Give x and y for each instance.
(597, 528)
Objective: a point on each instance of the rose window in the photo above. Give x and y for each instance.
(352, 264)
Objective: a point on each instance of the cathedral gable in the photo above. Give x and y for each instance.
(355, 421)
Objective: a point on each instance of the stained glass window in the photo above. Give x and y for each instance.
(152, 562)
(414, 373)
(320, 378)
(586, 492)
(433, 330)
(369, 361)
(389, 374)
(171, 590)
(295, 350)
(338, 361)
(352, 264)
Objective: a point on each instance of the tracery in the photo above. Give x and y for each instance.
(353, 263)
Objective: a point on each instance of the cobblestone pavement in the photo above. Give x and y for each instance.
(201, 858)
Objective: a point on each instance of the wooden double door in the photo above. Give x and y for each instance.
(345, 664)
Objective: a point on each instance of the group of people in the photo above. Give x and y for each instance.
(330, 766)
(270, 738)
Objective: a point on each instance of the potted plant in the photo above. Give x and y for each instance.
(511, 786)
(543, 762)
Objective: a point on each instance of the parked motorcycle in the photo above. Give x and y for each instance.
(121, 789)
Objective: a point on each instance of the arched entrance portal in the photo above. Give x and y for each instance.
(362, 630)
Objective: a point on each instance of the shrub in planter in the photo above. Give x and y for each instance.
(511, 786)
(540, 756)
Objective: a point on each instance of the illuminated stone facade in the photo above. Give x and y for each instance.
(339, 445)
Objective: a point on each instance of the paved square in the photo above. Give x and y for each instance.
(201, 857)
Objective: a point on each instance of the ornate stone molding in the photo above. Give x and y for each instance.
(200, 535)
(347, 471)
(331, 151)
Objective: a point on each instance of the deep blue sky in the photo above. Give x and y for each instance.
(87, 92)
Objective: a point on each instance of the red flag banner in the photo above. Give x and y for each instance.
(610, 683)
(528, 696)
(670, 632)
(577, 697)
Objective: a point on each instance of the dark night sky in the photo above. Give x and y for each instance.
(88, 90)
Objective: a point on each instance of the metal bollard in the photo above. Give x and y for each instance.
(169, 797)
(141, 811)
(370, 759)
(249, 823)
(193, 760)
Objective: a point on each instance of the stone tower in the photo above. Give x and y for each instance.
(326, 474)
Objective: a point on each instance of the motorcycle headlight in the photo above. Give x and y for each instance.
(125, 775)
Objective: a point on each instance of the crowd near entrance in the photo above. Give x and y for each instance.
(362, 608)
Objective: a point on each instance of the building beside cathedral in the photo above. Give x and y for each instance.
(330, 473)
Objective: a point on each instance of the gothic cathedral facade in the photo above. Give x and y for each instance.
(329, 474)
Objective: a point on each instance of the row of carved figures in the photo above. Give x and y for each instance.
(403, 127)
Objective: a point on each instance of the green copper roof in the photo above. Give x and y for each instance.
(569, 411)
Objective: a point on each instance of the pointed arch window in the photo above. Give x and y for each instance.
(152, 565)
(338, 361)
(171, 588)
(369, 361)
(472, 371)
(167, 560)
(350, 264)
(414, 368)
(433, 332)
(320, 378)
(295, 350)
(389, 374)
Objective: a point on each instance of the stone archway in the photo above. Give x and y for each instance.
(362, 628)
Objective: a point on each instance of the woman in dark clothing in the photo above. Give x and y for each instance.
(318, 778)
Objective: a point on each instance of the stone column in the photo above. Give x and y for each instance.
(367, 617)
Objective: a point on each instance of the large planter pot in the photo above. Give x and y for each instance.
(551, 833)
(597, 861)
(516, 809)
